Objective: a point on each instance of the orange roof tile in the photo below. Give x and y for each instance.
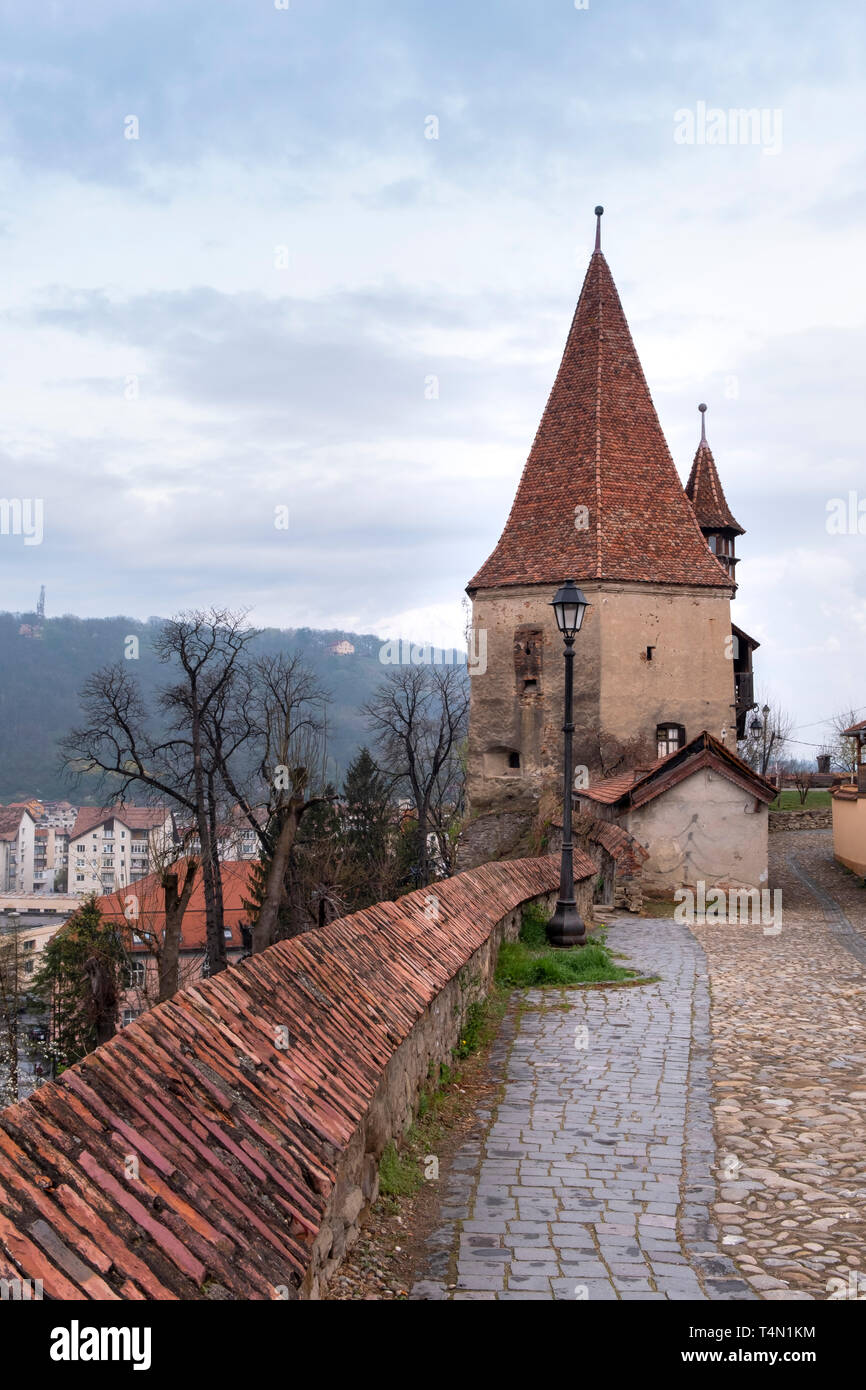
(151, 904)
(600, 446)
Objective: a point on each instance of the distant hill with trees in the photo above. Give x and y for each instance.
(41, 677)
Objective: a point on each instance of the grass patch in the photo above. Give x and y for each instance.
(789, 800)
(531, 961)
(474, 1028)
(399, 1173)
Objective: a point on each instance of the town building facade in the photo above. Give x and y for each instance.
(110, 847)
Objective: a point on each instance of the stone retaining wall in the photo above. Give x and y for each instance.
(801, 820)
(414, 1065)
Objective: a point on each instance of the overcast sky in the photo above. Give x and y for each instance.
(242, 308)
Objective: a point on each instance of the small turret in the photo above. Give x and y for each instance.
(715, 518)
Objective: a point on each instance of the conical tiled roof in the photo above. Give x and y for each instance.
(704, 490)
(600, 447)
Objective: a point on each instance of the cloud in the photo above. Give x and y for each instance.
(166, 385)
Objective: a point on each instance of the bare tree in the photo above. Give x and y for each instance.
(766, 741)
(620, 755)
(118, 741)
(844, 750)
(279, 709)
(209, 648)
(448, 807)
(419, 716)
(154, 909)
(803, 781)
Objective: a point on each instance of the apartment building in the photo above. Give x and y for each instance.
(17, 849)
(111, 847)
(50, 860)
(58, 815)
(236, 838)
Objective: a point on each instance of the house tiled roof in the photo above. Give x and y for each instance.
(133, 817)
(855, 728)
(611, 789)
(643, 784)
(704, 491)
(600, 446)
(151, 905)
(10, 820)
(238, 1140)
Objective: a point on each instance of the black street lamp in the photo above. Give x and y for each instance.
(566, 927)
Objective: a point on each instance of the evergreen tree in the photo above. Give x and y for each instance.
(368, 830)
(81, 979)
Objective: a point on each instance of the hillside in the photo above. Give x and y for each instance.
(40, 680)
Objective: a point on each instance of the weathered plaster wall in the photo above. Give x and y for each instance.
(705, 828)
(619, 696)
(690, 678)
(849, 833)
(505, 716)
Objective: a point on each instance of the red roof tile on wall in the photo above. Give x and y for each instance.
(600, 446)
(237, 1142)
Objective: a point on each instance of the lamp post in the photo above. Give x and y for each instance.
(756, 727)
(566, 927)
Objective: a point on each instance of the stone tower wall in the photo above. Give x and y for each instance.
(620, 696)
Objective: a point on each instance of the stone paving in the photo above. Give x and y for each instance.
(594, 1180)
(632, 1158)
(789, 1027)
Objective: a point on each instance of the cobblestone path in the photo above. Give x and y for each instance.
(594, 1178)
(789, 1028)
(630, 1158)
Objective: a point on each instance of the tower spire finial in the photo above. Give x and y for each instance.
(703, 409)
(598, 212)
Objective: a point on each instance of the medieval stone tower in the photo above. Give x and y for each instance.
(600, 501)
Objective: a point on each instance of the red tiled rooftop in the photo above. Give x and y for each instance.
(644, 783)
(151, 904)
(133, 817)
(611, 789)
(704, 491)
(10, 821)
(600, 445)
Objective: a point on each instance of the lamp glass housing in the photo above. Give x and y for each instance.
(569, 605)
